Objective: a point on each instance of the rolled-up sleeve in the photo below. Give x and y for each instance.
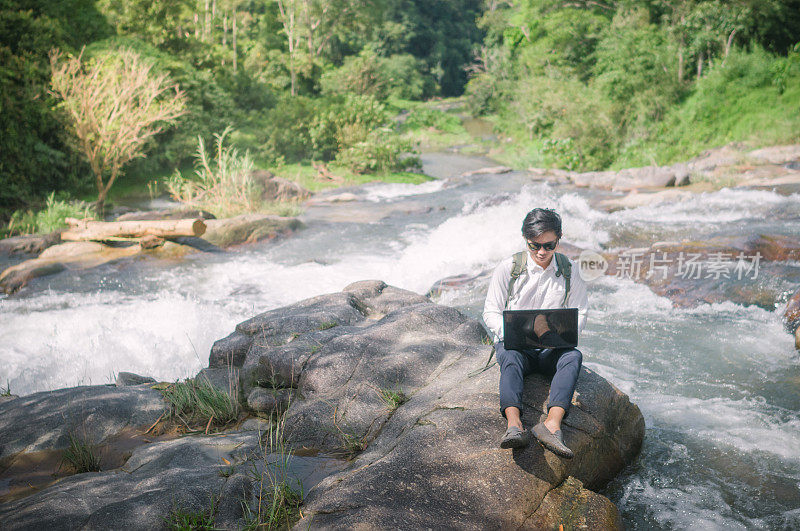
(578, 296)
(496, 299)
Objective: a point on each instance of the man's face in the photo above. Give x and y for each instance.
(546, 243)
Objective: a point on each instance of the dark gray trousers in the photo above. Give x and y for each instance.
(561, 364)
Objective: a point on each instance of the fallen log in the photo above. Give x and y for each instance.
(86, 230)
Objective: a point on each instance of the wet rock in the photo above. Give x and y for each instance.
(791, 315)
(738, 269)
(43, 421)
(572, 503)
(29, 243)
(493, 170)
(129, 378)
(248, 228)
(634, 178)
(71, 255)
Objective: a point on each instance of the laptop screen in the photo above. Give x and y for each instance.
(551, 328)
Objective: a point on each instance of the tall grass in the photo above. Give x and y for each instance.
(222, 185)
(80, 455)
(49, 219)
(198, 405)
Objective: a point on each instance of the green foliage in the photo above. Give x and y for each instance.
(735, 102)
(49, 219)
(35, 156)
(80, 455)
(328, 324)
(367, 73)
(194, 403)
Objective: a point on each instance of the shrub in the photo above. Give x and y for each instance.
(49, 219)
(426, 117)
(380, 152)
(345, 121)
(369, 74)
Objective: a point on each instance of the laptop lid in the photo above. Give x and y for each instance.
(520, 326)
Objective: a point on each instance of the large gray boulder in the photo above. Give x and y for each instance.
(433, 460)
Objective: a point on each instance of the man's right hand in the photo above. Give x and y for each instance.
(540, 326)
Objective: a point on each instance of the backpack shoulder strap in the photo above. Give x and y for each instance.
(564, 267)
(520, 261)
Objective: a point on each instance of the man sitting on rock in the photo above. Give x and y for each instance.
(538, 284)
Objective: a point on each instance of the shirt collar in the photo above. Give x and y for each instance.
(533, 267)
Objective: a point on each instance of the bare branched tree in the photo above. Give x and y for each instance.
(114, 104)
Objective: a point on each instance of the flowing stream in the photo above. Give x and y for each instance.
(719, 385)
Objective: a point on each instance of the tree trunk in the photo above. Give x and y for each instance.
(700, 65)
(83, 230)
(234, 41)
(207, 24)
(728, 45)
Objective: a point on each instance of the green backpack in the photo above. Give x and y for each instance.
(563, 267)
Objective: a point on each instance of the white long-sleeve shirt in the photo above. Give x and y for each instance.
(536, 288)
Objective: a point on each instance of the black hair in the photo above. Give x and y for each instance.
(540, 220)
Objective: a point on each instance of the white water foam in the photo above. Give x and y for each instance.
(86, 339)
(725, 205)
(388, 191)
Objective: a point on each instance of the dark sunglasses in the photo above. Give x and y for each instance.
(548, 246)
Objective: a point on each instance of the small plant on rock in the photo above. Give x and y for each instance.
(393, 398)
(80, 455)
(328, 324)
(186, 520)
(277, 503)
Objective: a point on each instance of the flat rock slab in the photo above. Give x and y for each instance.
(43, 421)
(432, 460)
(188, 474)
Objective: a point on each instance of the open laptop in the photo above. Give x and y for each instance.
(518, 329)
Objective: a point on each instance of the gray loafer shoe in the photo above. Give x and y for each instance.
(515, 438)
(552, 441)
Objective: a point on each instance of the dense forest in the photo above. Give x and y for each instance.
(580, 84)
